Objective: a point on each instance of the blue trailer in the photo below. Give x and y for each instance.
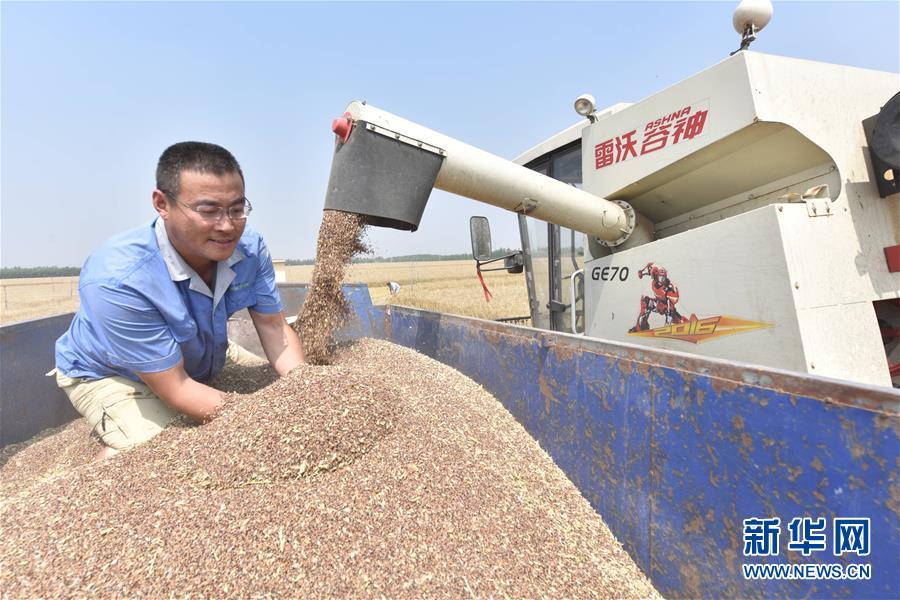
(676, 452)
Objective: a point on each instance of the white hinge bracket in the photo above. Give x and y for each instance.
(818, 207)
(817, 200)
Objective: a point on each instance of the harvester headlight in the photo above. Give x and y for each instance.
(585, 105)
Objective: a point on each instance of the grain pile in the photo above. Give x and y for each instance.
(312, 422)
(417, 482)
(325, 309)
(49, 455)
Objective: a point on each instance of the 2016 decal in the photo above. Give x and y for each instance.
(677, 327)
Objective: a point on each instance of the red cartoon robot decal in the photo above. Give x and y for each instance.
(691, 329)
(665, 297)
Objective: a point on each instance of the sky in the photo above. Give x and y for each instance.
(92, 93)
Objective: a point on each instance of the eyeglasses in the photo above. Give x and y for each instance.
(213, 213)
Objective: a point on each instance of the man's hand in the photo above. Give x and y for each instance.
(176, 388)
(279, 341)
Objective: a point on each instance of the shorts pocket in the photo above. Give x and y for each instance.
(133, 420)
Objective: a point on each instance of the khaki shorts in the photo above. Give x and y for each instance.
(124, 413)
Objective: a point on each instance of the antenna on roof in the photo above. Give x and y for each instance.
(749, 18)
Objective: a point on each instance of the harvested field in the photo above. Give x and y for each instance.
(36, 297)
(417, 482)
(446, 286)
(449, 286)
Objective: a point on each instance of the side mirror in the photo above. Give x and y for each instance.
(480, 230)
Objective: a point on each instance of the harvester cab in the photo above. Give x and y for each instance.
(751, 184)
(769, 209)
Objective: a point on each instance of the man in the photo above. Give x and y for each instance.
(155, 301)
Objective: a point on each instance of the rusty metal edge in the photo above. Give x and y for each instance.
(878, 399)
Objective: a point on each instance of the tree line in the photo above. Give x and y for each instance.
(497, 253)
(54, 271)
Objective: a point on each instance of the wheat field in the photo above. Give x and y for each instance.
(443, 286)
(449, 286)
(32, 298)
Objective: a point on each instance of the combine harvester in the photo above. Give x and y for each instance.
(720, 361)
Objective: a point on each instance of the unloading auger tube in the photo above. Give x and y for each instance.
(385, 167)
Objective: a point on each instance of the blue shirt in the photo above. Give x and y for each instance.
(144, 309)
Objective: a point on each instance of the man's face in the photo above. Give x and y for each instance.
(199, 241)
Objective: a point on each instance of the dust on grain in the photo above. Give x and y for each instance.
(417, 482)
(325, 308)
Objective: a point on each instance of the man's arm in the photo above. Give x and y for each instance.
(176, 388)
(279, 341)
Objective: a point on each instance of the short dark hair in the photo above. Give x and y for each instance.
(192, 156)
